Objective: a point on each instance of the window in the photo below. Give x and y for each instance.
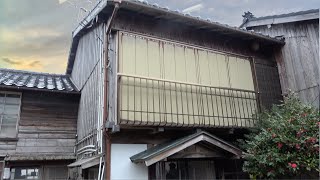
(9, 113)
(25, 173)
(55, 172)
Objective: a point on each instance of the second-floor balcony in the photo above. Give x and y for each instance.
(168, 84)
(158, 102)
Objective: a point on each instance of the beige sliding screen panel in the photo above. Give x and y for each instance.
(167, 83)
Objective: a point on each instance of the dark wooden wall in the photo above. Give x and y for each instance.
(298, 61)
(47, 126)
(267, 76)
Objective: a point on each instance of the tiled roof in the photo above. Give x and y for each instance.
(251, 21)
(143, 7)
(33, 80)
(286, 15)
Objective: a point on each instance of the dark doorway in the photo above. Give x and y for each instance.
(194, 169)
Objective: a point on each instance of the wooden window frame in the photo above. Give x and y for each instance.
(40, 170)
(44, 167)
(19, 112)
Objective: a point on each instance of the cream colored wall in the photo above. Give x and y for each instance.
(158, 101)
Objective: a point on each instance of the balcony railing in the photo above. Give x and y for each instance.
(148, 101)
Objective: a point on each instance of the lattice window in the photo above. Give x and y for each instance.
(9, 113)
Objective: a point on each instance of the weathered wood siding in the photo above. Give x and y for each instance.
(47, 126)
(88, 75)
(298, 61)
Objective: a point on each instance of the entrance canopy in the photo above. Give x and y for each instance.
(162, 151)
(86, 163)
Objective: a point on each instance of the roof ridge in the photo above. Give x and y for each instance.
(285, 14)
(31, 72)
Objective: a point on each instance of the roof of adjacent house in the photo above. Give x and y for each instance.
(153, 10)
(281, 18)
(27, 80)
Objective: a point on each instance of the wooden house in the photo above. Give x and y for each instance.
(298, 61)
(165, 95)
(38, 125)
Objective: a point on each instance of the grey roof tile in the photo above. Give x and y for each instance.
(285, 15)
(34, 80)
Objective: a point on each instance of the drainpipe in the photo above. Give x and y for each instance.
(107, 161)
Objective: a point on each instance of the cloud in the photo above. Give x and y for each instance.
(62, 1)
(36, 35)
(35, 64)
(24, 64)
(11, 62)
(193, 8)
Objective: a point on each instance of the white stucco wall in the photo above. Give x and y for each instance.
(121, 166)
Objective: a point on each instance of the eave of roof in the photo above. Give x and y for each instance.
(39, 157)
(27, 80)
(282, 18)
(153, 9)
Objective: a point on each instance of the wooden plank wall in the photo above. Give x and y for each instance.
(298, 61)
(88, 75)
(47, 125)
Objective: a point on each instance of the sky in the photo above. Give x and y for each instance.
(35, 35)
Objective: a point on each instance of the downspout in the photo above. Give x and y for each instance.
(107, 168)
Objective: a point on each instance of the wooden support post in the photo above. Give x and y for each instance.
(107, 159)
(107, 156)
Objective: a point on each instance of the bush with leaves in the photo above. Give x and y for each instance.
(285, 143)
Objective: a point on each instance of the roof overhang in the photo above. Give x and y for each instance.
(162, 151)
(86, 162)
(19, 80)
(39, 157)
(281, 19)
(105, 8)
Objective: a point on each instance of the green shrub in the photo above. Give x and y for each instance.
(285, 143)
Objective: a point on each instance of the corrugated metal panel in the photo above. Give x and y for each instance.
(88, 75)
(33, 80)
(87, 56)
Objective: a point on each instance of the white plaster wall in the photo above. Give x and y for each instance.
(121, 166)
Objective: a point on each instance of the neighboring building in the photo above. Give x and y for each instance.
(298, 61)
(173, 91)
(38, 123)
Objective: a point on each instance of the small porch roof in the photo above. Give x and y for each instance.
(86, 162)
(162, 151)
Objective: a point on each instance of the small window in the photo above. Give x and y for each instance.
(9, 113)
(25, 173)
(55, 172)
